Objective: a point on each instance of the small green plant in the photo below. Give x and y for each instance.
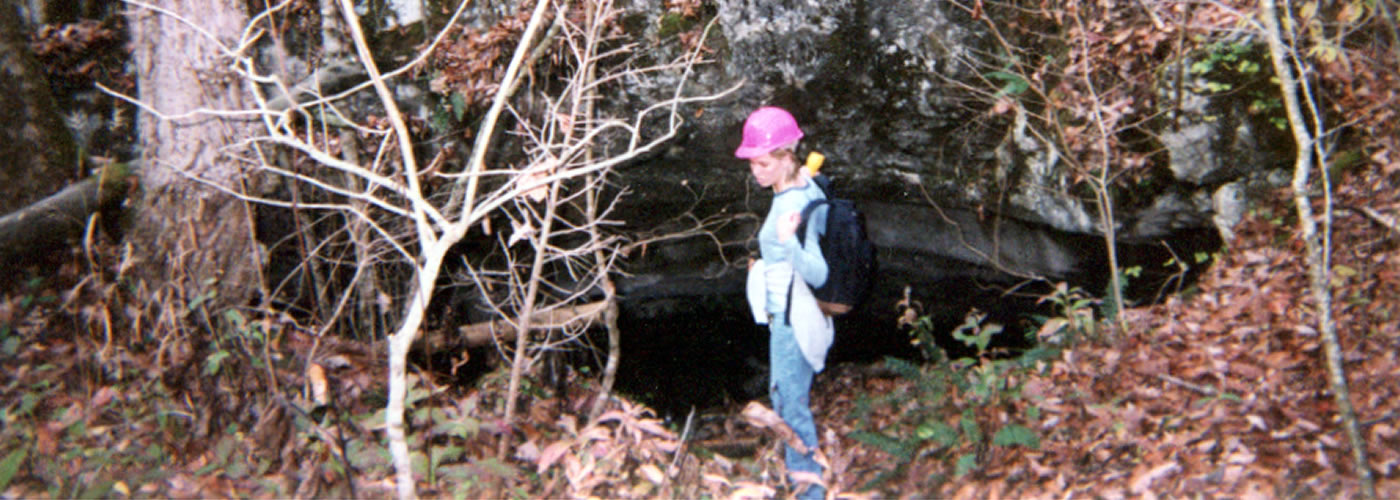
(975, 332)
(1109, 307)
(9, 342)
(1222, 60)
(1074, 316)
(241, 336)
(948, 415)
(10, 465)
(674, 23)
(921, 334)
(1239, 67)
(1011, 83)
(954, 410)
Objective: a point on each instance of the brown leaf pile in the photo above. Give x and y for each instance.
(82, 52)
(1221, 393)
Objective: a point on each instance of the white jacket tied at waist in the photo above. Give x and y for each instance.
(814, 330)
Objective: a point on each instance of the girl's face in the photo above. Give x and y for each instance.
(772, 170)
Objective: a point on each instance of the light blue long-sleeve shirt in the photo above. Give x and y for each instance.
(806, 260)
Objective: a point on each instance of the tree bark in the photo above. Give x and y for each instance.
(40, 151)
(191, 236)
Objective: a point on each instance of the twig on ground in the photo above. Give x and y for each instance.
(1376, 216)
(1206, 390)
(685, 433)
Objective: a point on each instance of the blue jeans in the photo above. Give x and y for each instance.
(790, 385)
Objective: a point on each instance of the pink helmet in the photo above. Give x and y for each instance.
(768, 128)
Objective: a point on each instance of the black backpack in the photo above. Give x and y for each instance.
(850, 256)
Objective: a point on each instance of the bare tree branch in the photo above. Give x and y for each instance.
(1286, 59)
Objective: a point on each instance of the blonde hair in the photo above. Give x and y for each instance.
(790, 151)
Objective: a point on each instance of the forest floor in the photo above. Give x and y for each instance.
(1220, 391)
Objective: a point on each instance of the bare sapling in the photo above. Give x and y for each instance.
(562, 221)
(1300, 103)
(405, 216)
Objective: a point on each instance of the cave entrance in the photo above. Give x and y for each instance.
(705, 352)
(697, 346)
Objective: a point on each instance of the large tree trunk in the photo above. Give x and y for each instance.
(41, 157)
(191, 235)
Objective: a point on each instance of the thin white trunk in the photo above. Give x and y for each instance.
(399, 344)
(431, 250)
(1316, 244)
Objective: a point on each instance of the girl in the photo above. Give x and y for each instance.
(769, 144)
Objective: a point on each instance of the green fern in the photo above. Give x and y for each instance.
(934, 425)
(1015, 434)
(937, 431)
(897, 448)
(904, 368)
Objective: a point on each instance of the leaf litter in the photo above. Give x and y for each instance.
(1219, 391)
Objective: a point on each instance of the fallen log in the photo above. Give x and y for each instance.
(55, 222)
(480, 334)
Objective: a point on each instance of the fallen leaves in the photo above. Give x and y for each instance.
(760, 416)
(1222, 394)
(1142, 481)
(1216, 394)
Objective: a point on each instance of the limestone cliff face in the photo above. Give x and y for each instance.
(881, 89)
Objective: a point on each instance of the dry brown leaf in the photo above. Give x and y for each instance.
(101, 398)
(1143, 480)
(652, 473)
(747, 490)
(551, 454)
(654, 427)
(537, 193)
(1257, 422)
(529, 451)
(316, 378)
(715, 479)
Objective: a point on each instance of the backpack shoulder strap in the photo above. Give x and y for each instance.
(823, 183)
(787, 312)
(807, 211)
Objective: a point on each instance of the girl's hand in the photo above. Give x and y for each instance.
(787, 225)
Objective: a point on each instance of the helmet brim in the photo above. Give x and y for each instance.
(746, 152)
(750, 152)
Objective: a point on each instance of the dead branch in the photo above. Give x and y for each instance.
(484, 333)
(1204, 390)
(1389, 222)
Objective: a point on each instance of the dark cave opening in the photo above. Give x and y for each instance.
(704, 351)
(690, 341)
